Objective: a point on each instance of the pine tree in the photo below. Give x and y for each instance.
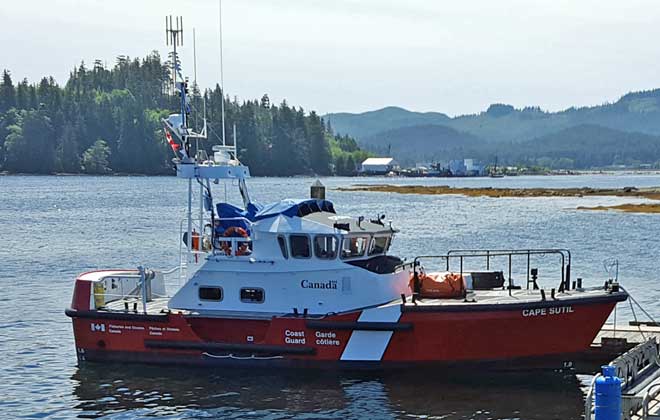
(67, 153)
(23, 95)
(46, 128)
(7, 92)
(351, 166)
(95, 159)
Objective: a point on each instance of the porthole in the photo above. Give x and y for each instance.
(252, 295)
(210, 293)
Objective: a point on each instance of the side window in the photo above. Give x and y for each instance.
(354, 246)
(300, 246)
(282, 241)
(210, 293)
(379, 245)
(252, 295)
(325, 247)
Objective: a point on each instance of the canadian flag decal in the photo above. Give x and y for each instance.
(97, 327)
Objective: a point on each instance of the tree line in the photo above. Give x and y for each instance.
(107, 120)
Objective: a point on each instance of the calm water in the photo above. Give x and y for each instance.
(56, 227)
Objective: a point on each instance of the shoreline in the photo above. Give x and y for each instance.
(585, 172)
(651, 193)
(648, 208)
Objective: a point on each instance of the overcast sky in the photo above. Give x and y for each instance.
(454, 56)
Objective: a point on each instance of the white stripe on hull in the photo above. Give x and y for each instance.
(371, 345)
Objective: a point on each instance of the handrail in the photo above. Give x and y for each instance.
(565, 254)
(588, 399)
(651, 393)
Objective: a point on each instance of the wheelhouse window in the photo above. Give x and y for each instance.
(300, 247)
(354, 246)
(379, 245)
(252, 295)
(282, 242)
(325, 247)
(210, 293)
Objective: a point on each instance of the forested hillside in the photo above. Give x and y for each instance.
(425, 143)
(622, 133)
(107, 120)
(579, 147)
(586, 146)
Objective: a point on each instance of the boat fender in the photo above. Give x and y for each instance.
(543, 295)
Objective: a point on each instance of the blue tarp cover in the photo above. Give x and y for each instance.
(255, 212)
(291, 208)
(228, 211)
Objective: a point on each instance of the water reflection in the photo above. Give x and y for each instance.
(116, 391)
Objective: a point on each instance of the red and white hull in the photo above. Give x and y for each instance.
(388, 335)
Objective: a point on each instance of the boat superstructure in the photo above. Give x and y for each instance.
(295, 283)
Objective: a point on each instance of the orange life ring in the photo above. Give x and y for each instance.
(234, 231)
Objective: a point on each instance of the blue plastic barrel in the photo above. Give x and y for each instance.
(608, 395)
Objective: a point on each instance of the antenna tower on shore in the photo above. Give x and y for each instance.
(174, 37)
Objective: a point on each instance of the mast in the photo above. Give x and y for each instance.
(222, 79)
(223, 165)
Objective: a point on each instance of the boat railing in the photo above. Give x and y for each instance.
(487, 255)
(141, 286)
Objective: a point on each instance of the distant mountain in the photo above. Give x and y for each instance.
(424, 143)
(635, 112)
(587, 146)
(369, 123)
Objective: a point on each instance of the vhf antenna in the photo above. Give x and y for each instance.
(174, 37)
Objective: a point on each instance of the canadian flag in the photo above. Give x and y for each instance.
(171, 141)
(97, 327)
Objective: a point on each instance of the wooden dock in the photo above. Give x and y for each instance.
(613, 340)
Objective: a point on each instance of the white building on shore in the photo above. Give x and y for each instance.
(375, 166)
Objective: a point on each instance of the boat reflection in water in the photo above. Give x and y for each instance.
(132, 392)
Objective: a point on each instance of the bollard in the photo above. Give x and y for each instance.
(608, 395)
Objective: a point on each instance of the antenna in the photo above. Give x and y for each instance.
(174, 37)
(222, 80)
(195, 86)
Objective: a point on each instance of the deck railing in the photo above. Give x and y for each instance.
(130, 287)
(461, 255)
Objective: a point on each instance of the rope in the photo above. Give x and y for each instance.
(630, 296)
(639, 326)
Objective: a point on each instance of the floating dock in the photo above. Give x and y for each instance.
(637, 363)
(614, 340)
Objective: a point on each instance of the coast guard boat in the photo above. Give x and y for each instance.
(293, 283)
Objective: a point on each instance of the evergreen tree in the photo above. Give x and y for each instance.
(7, 92)
(46, 128)
(23, 95)
(67, 154)
(319, 147)
(95, 159)
(351, 166)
